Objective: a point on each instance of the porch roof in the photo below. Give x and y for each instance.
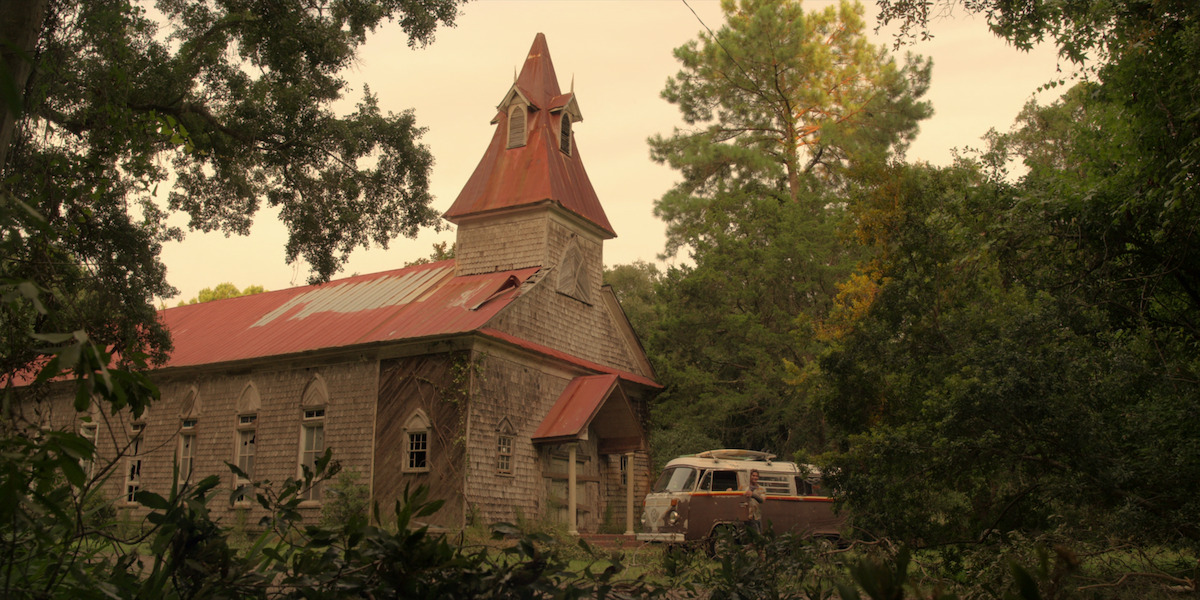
(595, 401)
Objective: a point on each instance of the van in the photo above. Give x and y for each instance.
(698, 495)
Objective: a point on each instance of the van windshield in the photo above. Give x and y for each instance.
(676, 479)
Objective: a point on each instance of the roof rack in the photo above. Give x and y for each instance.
(736, 454)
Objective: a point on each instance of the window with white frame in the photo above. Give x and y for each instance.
(247, 438)
(312, 447)
(416, 443)
(185, 454)
(504, 448)
(516, 126)
(187, 449)
(133, 462)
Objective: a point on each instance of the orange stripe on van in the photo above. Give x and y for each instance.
(772, 497)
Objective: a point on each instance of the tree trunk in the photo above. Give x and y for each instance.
(20, 24)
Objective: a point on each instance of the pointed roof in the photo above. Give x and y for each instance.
(538, 172)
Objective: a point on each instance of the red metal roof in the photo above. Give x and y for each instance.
(537, 172)
(410, 303)
(593, 402)
(419, 301)
(576, 407)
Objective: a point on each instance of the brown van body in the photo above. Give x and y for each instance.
(698, 494)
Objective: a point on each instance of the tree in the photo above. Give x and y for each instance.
(234, 101)
(441, 251)
(779, 96)
(635, 287)
(1029, 353)
(221, 292)
(789, 109)
(1022, 357)
(1130, 200)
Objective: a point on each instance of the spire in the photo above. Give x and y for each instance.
(537, 78)
(528, 164)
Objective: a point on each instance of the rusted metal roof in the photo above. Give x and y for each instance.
(576, 407)
(415, 302)
(592, 402)
(537, 172)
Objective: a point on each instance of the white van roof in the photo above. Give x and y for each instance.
(736, 454)
(742, 460)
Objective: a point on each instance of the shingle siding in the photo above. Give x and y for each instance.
(349, 420)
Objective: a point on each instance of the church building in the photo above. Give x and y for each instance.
(507, 379)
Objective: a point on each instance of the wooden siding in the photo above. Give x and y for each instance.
(507, 388)
(523, 391)
(547, 316)
(501, 243)
(435, 384)
(349, 416)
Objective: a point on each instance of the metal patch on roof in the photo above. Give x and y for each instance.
(351, 296)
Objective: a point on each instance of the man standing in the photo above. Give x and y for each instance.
(755, 496)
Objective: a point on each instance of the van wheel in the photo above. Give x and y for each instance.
(721, 541)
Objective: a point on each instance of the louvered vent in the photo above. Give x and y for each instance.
(516, 126)
(564, 134)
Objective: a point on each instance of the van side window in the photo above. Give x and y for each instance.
(720, 481)
(808, 487)
(775, 484)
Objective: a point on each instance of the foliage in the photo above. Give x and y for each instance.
(346, 499)
(229, 103)
(635, 287)
(780, 100)
(441, 251)
(787, 109)
(727, 326)
(1018, 402)
(223, 291)
(1031, 353)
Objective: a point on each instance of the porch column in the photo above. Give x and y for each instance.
(572, 526)
(629, 493)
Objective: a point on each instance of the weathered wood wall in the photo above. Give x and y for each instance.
(436, 384)
(349, 421)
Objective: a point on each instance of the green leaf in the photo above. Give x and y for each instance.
(151, 500)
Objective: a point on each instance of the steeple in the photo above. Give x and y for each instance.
(533, 160)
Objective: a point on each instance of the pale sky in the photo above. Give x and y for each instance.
(619, 53)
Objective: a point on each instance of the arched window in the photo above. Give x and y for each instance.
(246, 434)
(312, 431)
(416, 443)
(135, 453)
(505, 434)
(516, 126)
(189, 410)
(564, 134)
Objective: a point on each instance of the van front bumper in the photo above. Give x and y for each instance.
(670, 538)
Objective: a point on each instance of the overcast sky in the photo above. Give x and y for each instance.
(619, 54)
